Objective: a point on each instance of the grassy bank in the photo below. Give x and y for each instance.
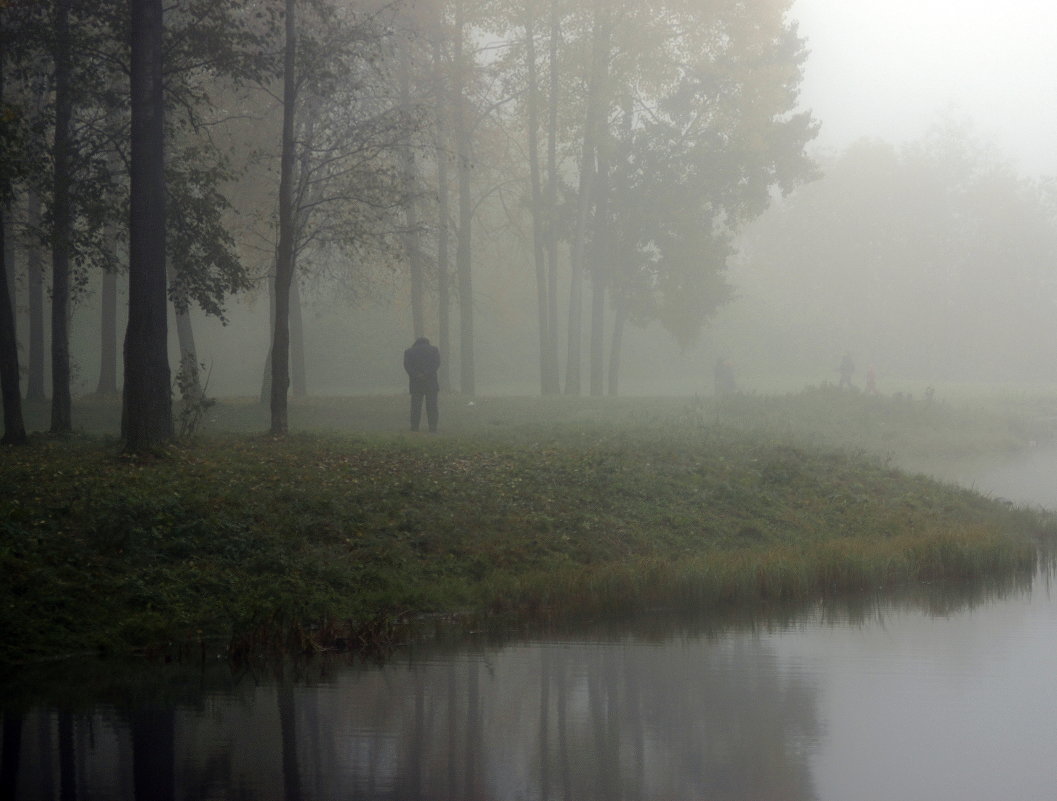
(243, 540)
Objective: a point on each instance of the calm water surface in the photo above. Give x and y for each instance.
(944, 694)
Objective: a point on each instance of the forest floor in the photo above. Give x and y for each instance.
(521, 508)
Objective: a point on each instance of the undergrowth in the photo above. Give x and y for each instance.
(245, 542)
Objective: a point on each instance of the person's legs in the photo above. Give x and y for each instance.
(432, 413)
(416, 410)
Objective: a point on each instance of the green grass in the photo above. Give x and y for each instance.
(525, 508)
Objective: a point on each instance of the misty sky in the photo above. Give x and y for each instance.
(889, 68)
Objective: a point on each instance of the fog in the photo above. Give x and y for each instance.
(944, 281)
(886, 68)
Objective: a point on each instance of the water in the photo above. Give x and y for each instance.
(945, 693)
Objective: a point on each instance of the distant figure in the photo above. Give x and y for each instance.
(724, 377)
(846, 370)
(871, 380)
(421, 361)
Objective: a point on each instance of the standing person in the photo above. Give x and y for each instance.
(421, 361)
(846, 369)
(724, 375)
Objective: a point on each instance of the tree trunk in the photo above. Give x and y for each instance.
(620, 259)
(10, 258)
(443, 213)
(598, 313)
(61, 420)
(412, 245)
(108, 336)
(14, 427)
(266, 379)
(551, 198)
(284, 262)
(298, 369)
(467, 381)
(35, 274)
(11, 393)
(592, 126)
(540, 215)
(147, 399)
(617, 345)
(600, 269)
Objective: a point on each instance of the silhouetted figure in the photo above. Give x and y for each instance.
(724, 376)
(421, 361)
(871, 380)
(846, 370)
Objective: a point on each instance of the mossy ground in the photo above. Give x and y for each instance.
(524, 507)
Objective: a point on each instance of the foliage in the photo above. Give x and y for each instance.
(194, 402)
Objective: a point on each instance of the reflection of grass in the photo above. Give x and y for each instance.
(610, 506)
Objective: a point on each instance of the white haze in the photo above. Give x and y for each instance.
(887, 68)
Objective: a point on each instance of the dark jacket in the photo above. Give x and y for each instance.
(422, 361)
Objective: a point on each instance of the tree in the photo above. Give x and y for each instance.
(62, 223)
(14, 426)
(463, 167)
(544, 239)
(718, 135)
(339, 188)
(284, 260)
(147, 402)
(927, 252)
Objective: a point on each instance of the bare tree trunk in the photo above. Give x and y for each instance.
(598, 313)
(35, 274)
(266, 379)
(147, 403)
(616, 345)
(108, 312)
(14, 427)
(284, 262)
(589, 154)
(443, 216)
(147, 400)
(61, 420)
(10, 259)
(573, 345)
(551, 198)
(298, 368)
(540, 214)
(412, 236)
(620, 260)
(467, 382)
(600, 270)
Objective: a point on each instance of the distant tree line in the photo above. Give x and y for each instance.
(933, 260)
(204, 149)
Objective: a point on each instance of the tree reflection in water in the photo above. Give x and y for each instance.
(688, 717)
(684, 711)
